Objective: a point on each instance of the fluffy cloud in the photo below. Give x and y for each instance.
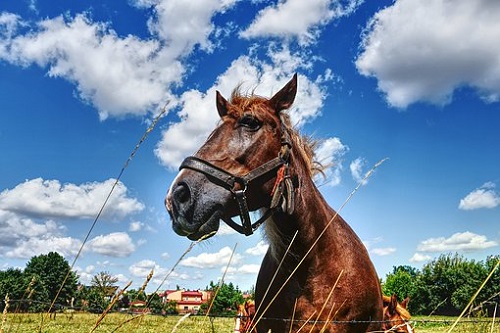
(418, 257)
(135, 226)
(212, 260)
(329, 153)
(297, 18)
(356, 168)
(465, 241)
(34, 246)
(414, 58)
(50, 198)
(383, 251)
(259, 249)
(199, 116)
(116, 244)
(118, 75)
(483, 197)
(142, 269)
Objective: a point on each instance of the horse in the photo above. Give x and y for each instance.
(396, 316)
(245, 316)
(316, 274)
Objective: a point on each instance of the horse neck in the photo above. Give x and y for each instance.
(310, 217)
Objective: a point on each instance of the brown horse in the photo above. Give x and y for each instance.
(323, 280)
(245, 317)
(396, 316)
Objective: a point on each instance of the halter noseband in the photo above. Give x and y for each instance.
(282, 192)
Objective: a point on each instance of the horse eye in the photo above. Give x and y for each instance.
(249, 122)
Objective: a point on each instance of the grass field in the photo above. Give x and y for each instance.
(115, 322)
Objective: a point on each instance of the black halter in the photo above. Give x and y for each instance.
(282, 192)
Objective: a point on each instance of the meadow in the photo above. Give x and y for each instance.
(118, 322)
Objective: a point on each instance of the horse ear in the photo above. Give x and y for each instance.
(404, 303)
(393, 304)
(222, 104)
(284, 98)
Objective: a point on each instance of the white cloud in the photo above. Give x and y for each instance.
(212, 260)
(418, 257)
(15, 228)
(424, 50)
(383, 251)
(135, 226)
(180, 33)
(50, 198)
(329, 153)
(259, 249)
(483, 197)
(233, 272)
(27, 248)
(356, 168)
(297, 19)
(142, 268)
(199, 116)
(116, 244)
(119, 75)
(465, 241)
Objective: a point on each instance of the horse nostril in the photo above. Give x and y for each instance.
(181, 193)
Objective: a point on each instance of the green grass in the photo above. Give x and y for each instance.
(84, 322)
(437, 324)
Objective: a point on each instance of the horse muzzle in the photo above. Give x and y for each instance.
(192, 215)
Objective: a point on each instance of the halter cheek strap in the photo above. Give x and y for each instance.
(282, 194)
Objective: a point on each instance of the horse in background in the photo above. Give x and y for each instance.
(396, 316)
(245, 317)
(316, 270)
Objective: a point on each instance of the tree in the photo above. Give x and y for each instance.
(447, 284)
(155, 303)
(227, 296)
(104, 283)
(50, 271)
(402, 282)
(12, 282)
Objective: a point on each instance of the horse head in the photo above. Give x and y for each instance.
(231, 174)
(396, 316)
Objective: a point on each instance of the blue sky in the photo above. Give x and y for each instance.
(412, 80)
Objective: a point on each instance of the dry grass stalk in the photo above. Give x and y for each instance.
(145, 284)
(330, 317)
(474, 296)
(327, 299)
(293, 313)
(4, 314)
(307, 321)
(180, 321)
(111, 304)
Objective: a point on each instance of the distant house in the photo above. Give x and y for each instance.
(188, 301)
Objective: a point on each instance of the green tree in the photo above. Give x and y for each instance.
(104, 283)
(227, 296)
(12, 282)
(155, 303)
(50, 271)
(447, 284)
(402, 282)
